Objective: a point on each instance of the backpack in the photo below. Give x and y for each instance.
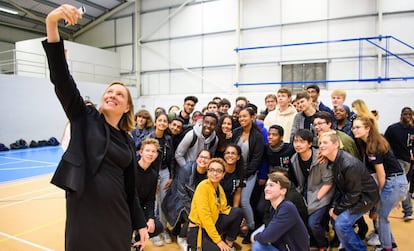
(53, 142)
(188, 128)
(19, 144)
(3, 148)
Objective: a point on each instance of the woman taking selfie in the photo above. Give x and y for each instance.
(98, 169)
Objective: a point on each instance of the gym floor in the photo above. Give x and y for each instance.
(32, 211)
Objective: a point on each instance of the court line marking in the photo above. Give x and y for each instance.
(12, 162)
(2, 199)
(26, 167)
(26, 242)
(24, 181)
(28, 200)
(31, 160)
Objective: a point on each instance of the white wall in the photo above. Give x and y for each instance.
(192, 53)
(30, 109)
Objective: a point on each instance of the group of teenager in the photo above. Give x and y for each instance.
(205, 177)
(330, 170)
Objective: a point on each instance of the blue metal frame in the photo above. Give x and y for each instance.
(379, 79)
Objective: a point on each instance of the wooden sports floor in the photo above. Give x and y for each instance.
(32, 211)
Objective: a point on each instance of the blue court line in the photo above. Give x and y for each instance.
(29, 162)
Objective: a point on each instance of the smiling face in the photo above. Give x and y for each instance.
(245, 119)
(320, 125)
(215, 172)
(115, 101)
(208, 126)
(328, 145)
(149, 153)
(301, 145)
(359, 129)
(304, 104)
(406, 116)
(273, 190)
(227, 125)
(313, 94)
(176, 127)
(203, 159)
(161, 123)
(231, 155)
(340, 113)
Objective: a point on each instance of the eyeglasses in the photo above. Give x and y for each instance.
(319, 124)
(217, 171)
(231, 153)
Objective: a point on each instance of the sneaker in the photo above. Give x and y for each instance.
(379, 248)
(394, 246)
(166, 237)
(182, 243)
(408, 217)
(373, 240)
(157, 241)
(341, 247)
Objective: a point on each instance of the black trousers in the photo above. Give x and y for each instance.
(228, 225)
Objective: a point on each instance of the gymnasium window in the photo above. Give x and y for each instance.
(303, 72)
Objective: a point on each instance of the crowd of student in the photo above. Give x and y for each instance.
(283, 138)
(200, 175)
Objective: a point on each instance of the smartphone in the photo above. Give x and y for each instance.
(81, 9)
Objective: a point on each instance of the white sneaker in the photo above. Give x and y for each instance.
(182, 243)
(373, 240)
(157, 241)
(408, 217)
(166, 237)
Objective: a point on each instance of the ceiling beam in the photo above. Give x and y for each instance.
(102, 18)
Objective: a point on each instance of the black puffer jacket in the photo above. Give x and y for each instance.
(356, 190)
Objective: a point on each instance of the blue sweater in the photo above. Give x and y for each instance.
(285, 229)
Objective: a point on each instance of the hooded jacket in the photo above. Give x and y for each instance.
(185, 152)
(284, 119)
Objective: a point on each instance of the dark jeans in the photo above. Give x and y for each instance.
(227, 225)
(318, 221)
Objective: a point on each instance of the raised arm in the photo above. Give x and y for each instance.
(68, 12)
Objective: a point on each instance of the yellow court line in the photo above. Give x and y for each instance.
(27, 200)
(24, 181)
(58, 220)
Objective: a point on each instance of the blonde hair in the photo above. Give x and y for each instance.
(150, 141)
(361, 109)
(339, 92)
(127, 122)
(333, 136)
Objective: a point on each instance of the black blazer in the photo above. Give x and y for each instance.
(89, 138)
(256, 146)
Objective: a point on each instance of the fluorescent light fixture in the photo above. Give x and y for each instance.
(9, 11)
